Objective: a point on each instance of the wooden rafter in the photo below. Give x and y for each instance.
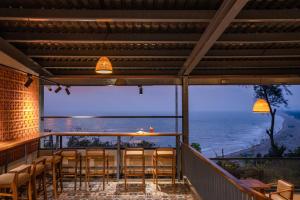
(224, 16)
(143, 15)
(159, 38)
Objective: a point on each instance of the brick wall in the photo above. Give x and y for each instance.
(19, 106)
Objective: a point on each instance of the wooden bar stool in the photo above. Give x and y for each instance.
(15, 179)
(70, 161)
(38, 173)
(137, 168)
(164, 164)
(95, 159)
(53, 168)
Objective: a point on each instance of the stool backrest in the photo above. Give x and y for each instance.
(95, 152)
(165, 156)
(134, 157)
(288, 189)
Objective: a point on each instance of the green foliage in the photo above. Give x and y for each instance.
(275, 97)
(276, 151)
(231, 166)
(295, 153)
(78, 141)
(196, 146)
(275, 94)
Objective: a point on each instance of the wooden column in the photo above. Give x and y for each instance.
(185, 110)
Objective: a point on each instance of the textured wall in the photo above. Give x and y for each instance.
(19, 106)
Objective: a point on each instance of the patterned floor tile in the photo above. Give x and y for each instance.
(115, 190)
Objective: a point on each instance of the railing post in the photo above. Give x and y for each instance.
(118, 157)
(185, 110)
(178, 164)
(25, 152)
(185, 118)
(60, 142)
(6, 162)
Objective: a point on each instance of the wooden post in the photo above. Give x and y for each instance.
(185, 110)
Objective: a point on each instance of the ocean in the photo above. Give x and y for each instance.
(214, 131)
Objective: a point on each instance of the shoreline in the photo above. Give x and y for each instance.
(288, 135)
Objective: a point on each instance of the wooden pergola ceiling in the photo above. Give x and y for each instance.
(159, 40)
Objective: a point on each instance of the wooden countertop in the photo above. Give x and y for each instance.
(124, 134)
(15, 143)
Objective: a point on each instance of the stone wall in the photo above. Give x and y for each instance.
(19, 106)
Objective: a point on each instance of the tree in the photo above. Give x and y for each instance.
(275, 97)
(196, 146)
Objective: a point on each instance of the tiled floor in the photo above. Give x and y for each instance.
(116, 191)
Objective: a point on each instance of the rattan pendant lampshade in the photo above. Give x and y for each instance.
(103, 66)
(261, 106)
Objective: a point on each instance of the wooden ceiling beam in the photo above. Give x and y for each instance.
(248, 71)
(18, 56)
(241, 64)
(101, 37)
(157, 38)
(288, 15)
(81, 52)
(117, 64)
(160, 53)
(222, 19)
(174, 79)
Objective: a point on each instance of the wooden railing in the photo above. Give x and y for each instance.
(265, 169)
(212, 181)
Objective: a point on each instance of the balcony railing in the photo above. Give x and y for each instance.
(266, 169)
(209, 179)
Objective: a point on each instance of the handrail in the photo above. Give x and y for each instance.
(14, 144)
(233, 180)
(124, 134)
(255, 158)
(112, 116)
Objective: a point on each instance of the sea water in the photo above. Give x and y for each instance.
(216, 132)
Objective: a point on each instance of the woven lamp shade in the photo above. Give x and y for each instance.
(261, 106)
(103, 66)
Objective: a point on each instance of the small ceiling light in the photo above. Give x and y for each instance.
(49, 88)
(261, 106)
(67, 90)
(57, 89)
(141, 90)
(103, 66)
(29, 80)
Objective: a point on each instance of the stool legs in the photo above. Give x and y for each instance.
(14, 192)
(54, 182)
(29, 190)
(44, 185)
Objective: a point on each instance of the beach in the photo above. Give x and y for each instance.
(289, 136)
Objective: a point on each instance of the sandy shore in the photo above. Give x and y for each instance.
(289, 136)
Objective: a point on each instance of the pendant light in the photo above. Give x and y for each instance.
(103, 66)
(261, 106)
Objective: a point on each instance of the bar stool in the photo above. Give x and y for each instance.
(164, 164)
(53, 168)
(137, 155)
(73, 157)
(38, 173)
(15, 179)
(91, 167)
